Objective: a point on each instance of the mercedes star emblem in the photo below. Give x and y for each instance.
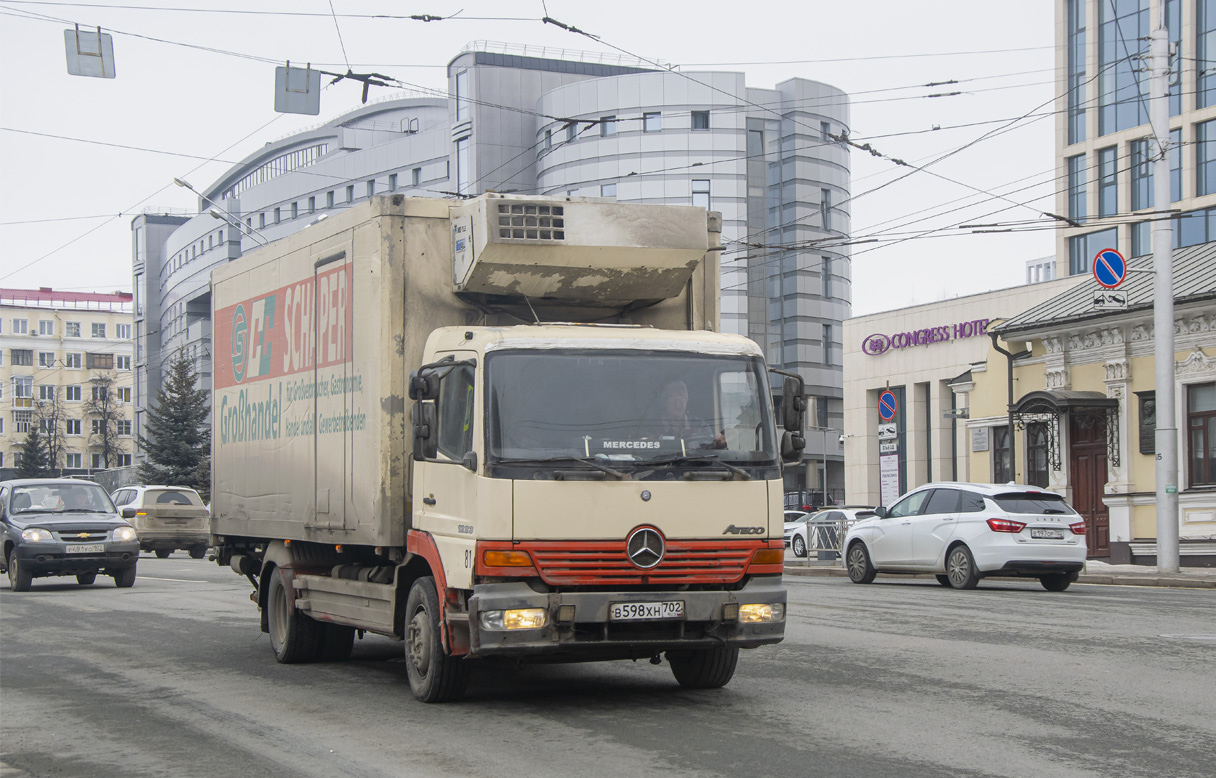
(644, 548)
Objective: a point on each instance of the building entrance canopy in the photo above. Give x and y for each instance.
(1046, 407)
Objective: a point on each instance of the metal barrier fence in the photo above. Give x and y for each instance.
(824, 540)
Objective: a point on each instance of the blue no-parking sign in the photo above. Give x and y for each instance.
(1110, 268)
(887, 406)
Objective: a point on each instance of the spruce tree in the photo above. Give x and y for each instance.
(178, 441)
(33, 456)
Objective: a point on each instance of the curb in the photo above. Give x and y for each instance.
(1107, 580)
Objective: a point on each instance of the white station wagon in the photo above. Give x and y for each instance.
(963, 532)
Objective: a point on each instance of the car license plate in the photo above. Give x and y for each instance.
(1047, 534)
(86, 548)
(644, 611)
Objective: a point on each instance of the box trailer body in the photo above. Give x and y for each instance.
(430, 421)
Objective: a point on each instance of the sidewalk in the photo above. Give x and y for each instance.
(1095, 573)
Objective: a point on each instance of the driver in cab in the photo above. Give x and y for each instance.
(673, 420)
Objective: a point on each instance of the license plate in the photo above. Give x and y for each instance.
(645, 611)
(1047, 534)
(86, 548)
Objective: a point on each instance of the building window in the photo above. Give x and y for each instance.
(124, 426)
(825, 132)
(99, 362)
(571, 132)
(416, 176)
(1076, 71)
(21, 327)
(825, 276)
(312, 207)
(122, 331)
(73, 426)
(72, 360)
(329, 199)
(462, 96)
(46, 359)
(295, 210)
(700, 120)
(124, 394)
(825, 208)
(1205, 158)
(46, 391)
(350, 193)
(700, 192)
(1205, 50)
(1123, 30)
(1083, 248)
(73, 461)
(652, 122)
(1142, 174)
(122, 363)
(278, 215)
(72, 393)
(1108, 190)
(548, 139)
(392, 182)
(607, 126)
(124, 460)
(1036, 455)
(46, 327)
(1201, 433)
(827, 344)
(608, 190)
(97, 461)
(262, 220)
(22, 421)
(1076, 188)
(72, 329)
(21, 357)
(371, 188)
(462, 165)
(1002, 470)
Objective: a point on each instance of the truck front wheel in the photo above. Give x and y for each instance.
(706, 668)
(293, 636)
(434, 676)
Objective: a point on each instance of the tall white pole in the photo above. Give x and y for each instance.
(1163, 306)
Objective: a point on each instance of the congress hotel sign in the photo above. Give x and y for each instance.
(880, 343)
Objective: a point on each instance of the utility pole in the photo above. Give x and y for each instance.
(1163, 304)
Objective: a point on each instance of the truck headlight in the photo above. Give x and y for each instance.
(754, 613)
(36, 535)
(523, 618)
(125, 533)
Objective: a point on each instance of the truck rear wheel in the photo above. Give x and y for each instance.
(705, 668)
(434, 676)
(334, 642)
(293, 636)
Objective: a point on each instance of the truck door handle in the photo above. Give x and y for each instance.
(429, 500)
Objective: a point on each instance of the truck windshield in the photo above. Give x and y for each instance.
(622, 407)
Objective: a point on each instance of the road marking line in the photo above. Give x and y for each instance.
(180, 580)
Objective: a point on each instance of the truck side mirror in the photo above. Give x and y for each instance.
(426, 444)
(792, 444)
(793, 404)
(424, 385)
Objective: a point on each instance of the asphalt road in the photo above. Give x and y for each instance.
(903, 678)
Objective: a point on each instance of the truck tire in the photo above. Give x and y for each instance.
(198, 552)
(704, 668)
(293, 636)
(163, 553)
(434, 676)
(86, 579)
(334, 642)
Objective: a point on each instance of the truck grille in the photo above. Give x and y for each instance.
(606, 563)
(531, 222)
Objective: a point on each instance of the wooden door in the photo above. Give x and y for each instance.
(1087, 454)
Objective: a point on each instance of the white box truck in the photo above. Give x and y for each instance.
(499, 427)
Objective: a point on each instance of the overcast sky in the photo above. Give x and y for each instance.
(194, 95)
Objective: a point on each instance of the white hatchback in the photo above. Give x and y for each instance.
(963, 532)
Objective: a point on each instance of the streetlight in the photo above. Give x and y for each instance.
(228, 217)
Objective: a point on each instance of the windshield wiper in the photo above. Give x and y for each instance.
(82, 510)
(617, 474)
(701, 459)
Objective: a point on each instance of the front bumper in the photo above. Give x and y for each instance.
(49, 558)
(591, 635)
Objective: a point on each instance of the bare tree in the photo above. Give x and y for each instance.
(51, 417)
(104, 413)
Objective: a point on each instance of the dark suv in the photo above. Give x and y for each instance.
(64, 527)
